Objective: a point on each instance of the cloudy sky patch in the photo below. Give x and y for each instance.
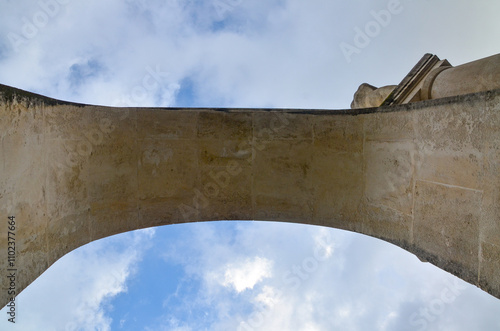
(245, 275)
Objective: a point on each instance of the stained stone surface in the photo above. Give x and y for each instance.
(424, 176)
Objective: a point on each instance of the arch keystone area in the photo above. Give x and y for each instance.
(422, 175)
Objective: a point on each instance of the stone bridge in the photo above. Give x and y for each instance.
(424, 175)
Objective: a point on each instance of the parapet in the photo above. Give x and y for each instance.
(432, 78)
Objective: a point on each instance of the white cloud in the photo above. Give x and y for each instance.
(74, 293)
(247, 274)
(269, 296)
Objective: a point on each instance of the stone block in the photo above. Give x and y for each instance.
(451, 127)
(452, 168)
(221, 125)
(389, 126)
(192, 207)
(113, 182)
(282, 187)
(32, 260)
(489, 226)
(168, 124)
(227, 192)
(167, 168)
(66, 122)
(222, 153)
(339, 133)
(389, 173)
(112, 191)
(105, 223)
(446, 226)
(210, 125)
(23, 161)
(66, 188)
(237, 126)
(338, 188)
(490, 265)
(67, 233)
(387, 224)
(21, 118)
(490, 220)
(273, 125)
(490, 129)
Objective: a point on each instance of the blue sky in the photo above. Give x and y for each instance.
(240, 53)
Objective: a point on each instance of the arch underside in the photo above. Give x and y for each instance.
(423, 176)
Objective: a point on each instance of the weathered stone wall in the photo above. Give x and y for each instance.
(424, 176)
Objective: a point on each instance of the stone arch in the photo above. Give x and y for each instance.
(422, 175)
